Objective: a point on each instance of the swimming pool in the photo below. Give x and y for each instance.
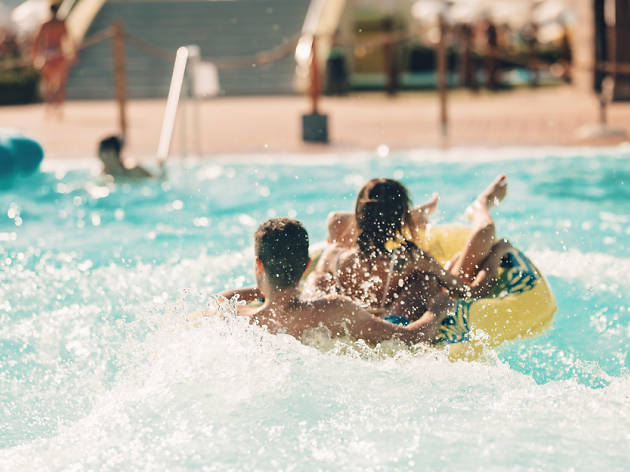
(99, 370)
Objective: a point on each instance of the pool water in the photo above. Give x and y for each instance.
(99, 370)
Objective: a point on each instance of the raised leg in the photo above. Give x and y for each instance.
(483, 234)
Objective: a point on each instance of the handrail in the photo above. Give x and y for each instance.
(322, 20)
(172, 102)
(66, 7)
(80, 18)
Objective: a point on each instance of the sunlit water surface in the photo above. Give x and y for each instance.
(100, 371)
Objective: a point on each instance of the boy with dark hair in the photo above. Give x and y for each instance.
(281, 246)
(110, 154)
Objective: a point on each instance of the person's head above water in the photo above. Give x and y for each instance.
(110, 144)
(109, 151)
(381, 211)
(281, 246)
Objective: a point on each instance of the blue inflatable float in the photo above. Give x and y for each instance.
(19, 154)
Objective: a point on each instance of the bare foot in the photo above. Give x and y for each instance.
(420, 214)
(490, 197)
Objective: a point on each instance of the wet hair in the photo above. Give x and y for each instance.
(54, 8)
(381, 210)
(111, 143)
(282, 246)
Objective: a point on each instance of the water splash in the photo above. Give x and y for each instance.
(102, 367)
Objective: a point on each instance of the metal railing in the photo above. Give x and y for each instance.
(321, 21)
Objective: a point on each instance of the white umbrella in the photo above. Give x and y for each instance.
(550, 32)
(550, 11)
(515, 13)
(30, 15)
(466, 11)
(427, 10)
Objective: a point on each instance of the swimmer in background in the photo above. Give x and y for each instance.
(281, 248)
(51, 55)
(110, 154)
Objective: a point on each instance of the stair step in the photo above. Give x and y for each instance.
(222, 29)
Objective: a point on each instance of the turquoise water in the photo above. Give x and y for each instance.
(100, 371)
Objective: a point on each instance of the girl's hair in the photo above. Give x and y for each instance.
(381, 211)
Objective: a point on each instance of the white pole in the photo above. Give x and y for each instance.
(172, 102)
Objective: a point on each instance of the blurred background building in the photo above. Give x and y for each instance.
(362, 44)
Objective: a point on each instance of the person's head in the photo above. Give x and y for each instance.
(54, 8)
(109, 150)
(381, 211)
(281, 246)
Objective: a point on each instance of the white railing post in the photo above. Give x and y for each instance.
(202, 81)
(172, 103)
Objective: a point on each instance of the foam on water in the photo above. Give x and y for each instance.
(101, 370)
(224, 393)
(597, 271)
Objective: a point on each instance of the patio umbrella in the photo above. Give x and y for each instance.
(427, 11)
(515, 13)
(550, 11)
(29, 16)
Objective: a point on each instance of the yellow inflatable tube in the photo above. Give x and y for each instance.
(521, 304)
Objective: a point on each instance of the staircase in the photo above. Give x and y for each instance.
(221, 28)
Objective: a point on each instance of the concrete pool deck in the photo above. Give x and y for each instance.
(359, 122)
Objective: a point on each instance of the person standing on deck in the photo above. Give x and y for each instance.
(50, 56)
(110, 155)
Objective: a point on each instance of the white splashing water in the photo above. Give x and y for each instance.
(100, 368)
